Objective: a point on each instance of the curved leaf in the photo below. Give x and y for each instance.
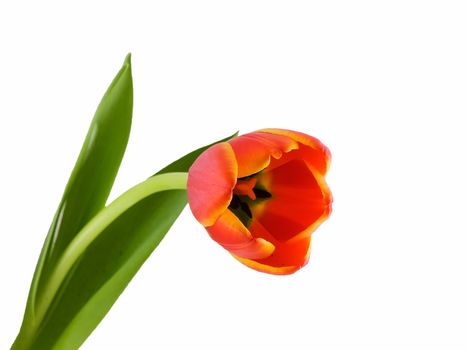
(102, 271)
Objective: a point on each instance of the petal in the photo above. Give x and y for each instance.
(253, 151)
(211, 180)
(327, 207)
(311, 149)
(230, 233)
(286, 259)
(300, 200)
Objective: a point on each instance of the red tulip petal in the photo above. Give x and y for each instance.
(230, 233)
(211, 180)
(253, 151)
(327, 208)
(300, 200)
(311, 149)
(287, 258)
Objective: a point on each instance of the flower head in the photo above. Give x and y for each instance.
(261, 195)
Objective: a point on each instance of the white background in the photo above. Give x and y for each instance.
(382, 83)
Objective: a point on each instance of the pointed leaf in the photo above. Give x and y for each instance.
(100, 273)
(92, 178)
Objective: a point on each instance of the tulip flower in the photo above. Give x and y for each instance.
(261, 195)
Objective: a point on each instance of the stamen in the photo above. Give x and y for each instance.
(246, 209)
(261, 193)
(244, 195)
(241, 210)
(235, 202)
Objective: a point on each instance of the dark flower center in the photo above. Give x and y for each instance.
(246, 194)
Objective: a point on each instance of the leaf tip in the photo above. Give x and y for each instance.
(127, 61)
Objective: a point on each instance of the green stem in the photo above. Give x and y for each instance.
(158, 183)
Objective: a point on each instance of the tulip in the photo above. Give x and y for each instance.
(261, 195)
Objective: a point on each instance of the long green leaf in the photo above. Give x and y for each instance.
(91, 180)
(101, 271)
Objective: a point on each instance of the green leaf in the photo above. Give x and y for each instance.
(183, 164)
(104, 257)
(91, 180)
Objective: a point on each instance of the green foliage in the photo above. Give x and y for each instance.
(92, 177)
(92, 252)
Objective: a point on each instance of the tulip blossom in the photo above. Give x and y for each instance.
(261, 195)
